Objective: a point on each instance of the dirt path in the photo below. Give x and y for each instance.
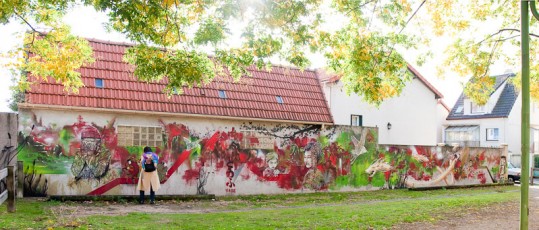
(89, 208)
(112, 208)
(499, 216)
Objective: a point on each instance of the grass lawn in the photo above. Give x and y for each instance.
(351, 210)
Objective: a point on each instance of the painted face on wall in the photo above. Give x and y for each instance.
(272, 160)
(308, 159)
(90, 146)
(90, 141)
(272, 163)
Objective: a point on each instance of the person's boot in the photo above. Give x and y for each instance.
(152, 196)
(141, 197)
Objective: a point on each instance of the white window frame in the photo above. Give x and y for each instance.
(492, 134)
(462, 134)
(358, 121)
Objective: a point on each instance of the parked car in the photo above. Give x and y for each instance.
(513, 173)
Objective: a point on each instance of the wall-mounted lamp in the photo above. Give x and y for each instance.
(388, 126)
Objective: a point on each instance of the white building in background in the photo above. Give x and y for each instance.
(413, 118)
(495, 123)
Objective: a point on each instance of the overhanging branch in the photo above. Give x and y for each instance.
(359, 7)
(505, 30)
(411, 17)
(29, 25)
(404, 26)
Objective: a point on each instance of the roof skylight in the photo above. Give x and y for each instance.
(222, 94)
(279, 99)
(99, 83)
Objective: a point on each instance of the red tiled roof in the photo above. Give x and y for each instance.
(335, 78)
(253, 97)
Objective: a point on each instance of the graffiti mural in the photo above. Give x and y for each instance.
(244, 158)
(92, 157)
(34, 185)
(420, 166)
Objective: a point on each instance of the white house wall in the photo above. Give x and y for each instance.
(513, 132)
(442, 113)
(414, 116)
(514, 127)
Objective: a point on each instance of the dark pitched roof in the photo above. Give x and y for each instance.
(502, 108)
(437, 94)
(253, 97)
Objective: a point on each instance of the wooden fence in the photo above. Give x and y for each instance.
(9, 193)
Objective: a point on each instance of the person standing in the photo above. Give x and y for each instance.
(148, 180)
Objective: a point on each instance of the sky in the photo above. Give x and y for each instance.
(86, 22)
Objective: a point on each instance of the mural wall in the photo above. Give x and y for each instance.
(89, 156)
(422, 166)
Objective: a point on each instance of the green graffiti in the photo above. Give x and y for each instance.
(495, 170)
(378, 180)
(344, 140)
(341, 181)
(137, 150)
(192, 143)
(64, 138)
(324, 141)
(45, 164)
(359, 176)
(394, 179)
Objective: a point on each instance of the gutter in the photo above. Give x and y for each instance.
(470, 118)
(164, 114)
(441, 102)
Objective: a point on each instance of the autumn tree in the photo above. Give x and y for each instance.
(362, 40)
(486, 33)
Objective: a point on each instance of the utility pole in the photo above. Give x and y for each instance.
(525, 120)
(525, 123)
